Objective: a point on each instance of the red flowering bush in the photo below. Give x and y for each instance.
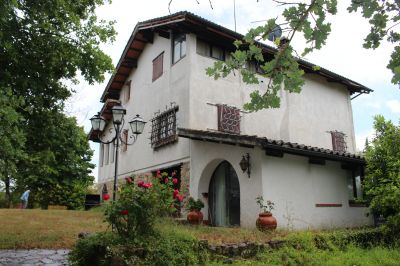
(106, 197)
(140, 203)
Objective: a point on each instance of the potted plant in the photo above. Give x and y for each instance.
(195, 216)
(265, 219)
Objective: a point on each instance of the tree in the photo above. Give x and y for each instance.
(310, 20)
(59, 172)
(382, 182)
(43, 44)
(12, 139)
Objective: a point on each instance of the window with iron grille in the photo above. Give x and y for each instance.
(338, 141)
(163, 128)
(158, 66)
(228, 119)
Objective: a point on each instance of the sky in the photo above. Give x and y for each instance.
(343, 53)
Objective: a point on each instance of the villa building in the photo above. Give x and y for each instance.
(301, 156)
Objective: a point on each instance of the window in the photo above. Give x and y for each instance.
(206, 49)
(258, 68)
(354, 184)
(124, 140)
(127, 91)
(338, 142)
(179, 47)
(217, 53)
(228, 119)
(163, 128)
(158, 66)
(106, 154)
(101, 154)
(112, 152)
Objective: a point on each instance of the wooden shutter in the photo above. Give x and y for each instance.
(101, 155)
(158, 66)
(125, 140)
(228, 119)
(128, 90)
(338, 142)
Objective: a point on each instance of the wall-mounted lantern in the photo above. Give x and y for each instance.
(245, 164)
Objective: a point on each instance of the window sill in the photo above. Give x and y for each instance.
(328, 205)
(180, 59)
(153, 80)
(353, 203)
(165, 141)
(210, 57)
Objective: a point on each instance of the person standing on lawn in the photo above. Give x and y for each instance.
(24, 199)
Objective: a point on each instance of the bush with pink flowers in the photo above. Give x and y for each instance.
(140, 202)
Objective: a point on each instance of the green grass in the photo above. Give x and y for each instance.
(221, 235)
(60, 228)
(352, 256)
(302, 249)
(46, 228)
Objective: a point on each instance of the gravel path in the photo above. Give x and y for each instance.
(33, 257)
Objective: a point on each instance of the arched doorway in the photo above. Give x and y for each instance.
(224, 196)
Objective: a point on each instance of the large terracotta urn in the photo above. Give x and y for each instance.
(195, 217)
(266, 222)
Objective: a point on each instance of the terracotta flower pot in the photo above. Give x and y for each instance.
(266, 222)
(195, 217)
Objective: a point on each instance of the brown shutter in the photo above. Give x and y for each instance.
(158, 66)
(228, 119)
(125, 138)
(128, 90)
(338, 142)
(333, 141)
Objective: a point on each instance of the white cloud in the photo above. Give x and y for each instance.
(394, 106)
(361, 137)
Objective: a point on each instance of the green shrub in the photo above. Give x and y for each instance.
(93, 250)
(175, 248)
(138, 206)
(162, 248)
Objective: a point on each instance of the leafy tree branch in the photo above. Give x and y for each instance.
(310, 19)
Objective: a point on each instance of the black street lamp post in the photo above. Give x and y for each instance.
(99, 123)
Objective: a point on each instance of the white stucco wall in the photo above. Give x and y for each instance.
(205, 157)
(148, 97)
(303, 118)
(297, 186)
(294, 185)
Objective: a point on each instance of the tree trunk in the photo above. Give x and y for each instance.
(8, 194)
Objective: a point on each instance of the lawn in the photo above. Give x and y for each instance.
(60, 228)
(223, 235)
(46, 228)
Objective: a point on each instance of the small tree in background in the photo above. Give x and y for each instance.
(382, 183)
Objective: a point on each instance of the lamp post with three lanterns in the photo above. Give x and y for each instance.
(99, 123)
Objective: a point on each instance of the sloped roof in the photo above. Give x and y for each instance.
(270, 145)
(190, 23)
